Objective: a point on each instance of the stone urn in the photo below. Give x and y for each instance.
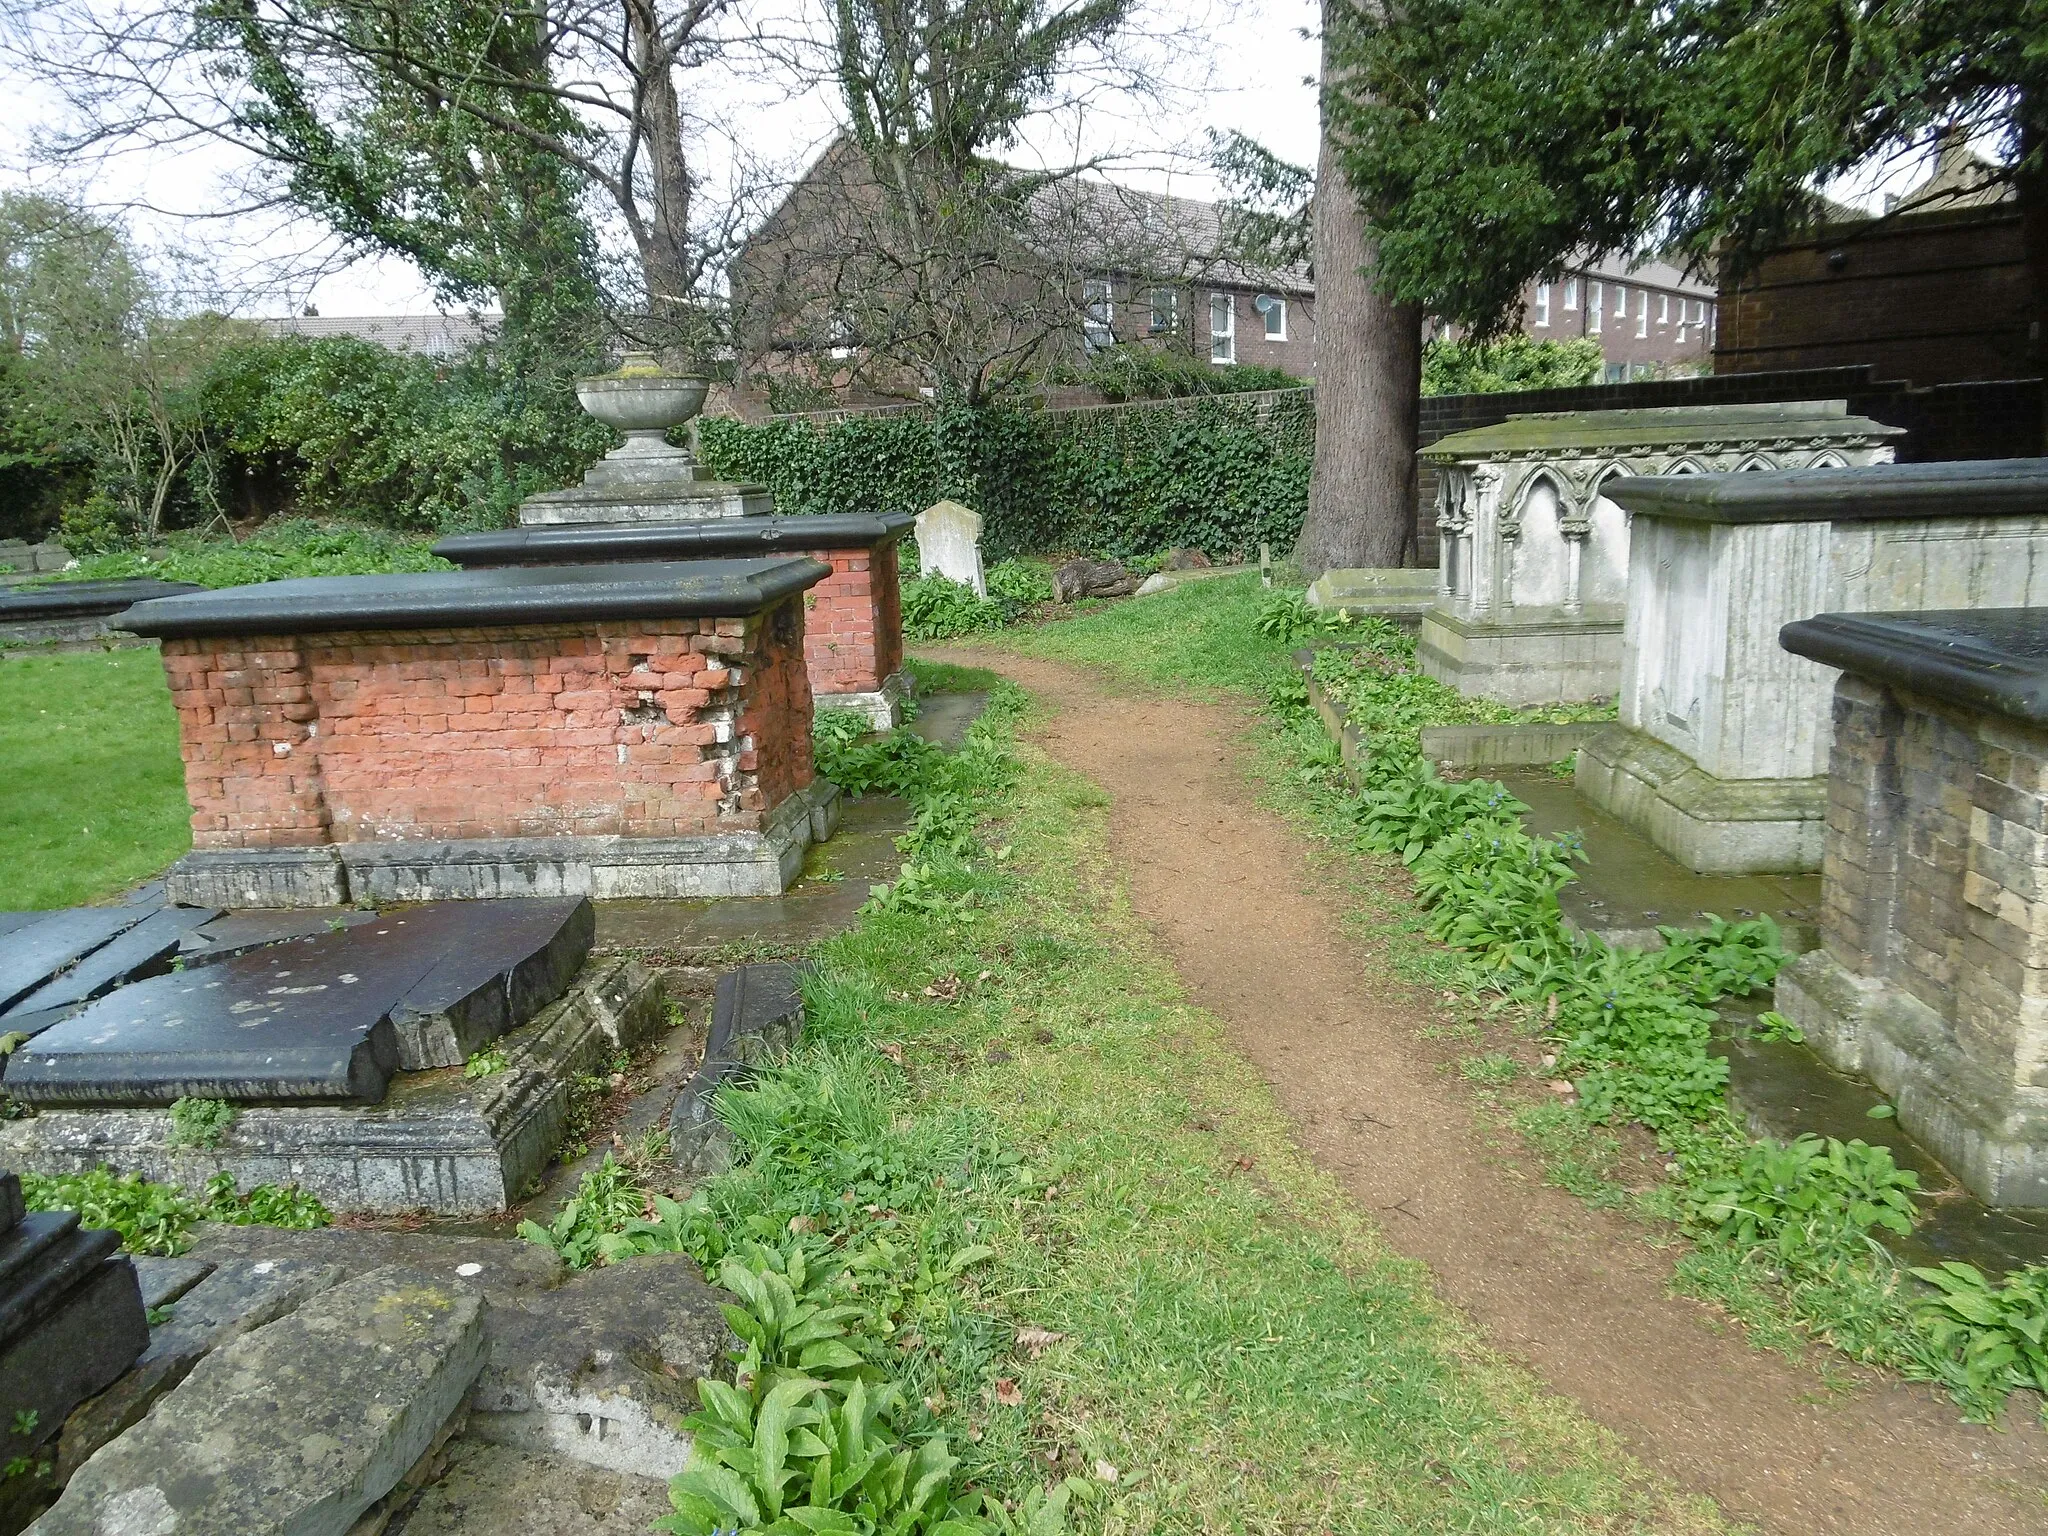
(643, 402)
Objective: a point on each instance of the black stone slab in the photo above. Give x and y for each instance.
(1993, 658)
(10, 921)
(29, 1025)
(12, 1209)
(692, 540)
(240, 932)
(502, 962)
(549, 594)
(757, 1015)
(85, 599)
(1971, 488)
(81, 1347)
(35, 952)
(309, 1019)
(144, 950)
(42, 1260)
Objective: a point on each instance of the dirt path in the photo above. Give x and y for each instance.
(1568, 1290)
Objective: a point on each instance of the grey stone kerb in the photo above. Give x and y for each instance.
(478, 599)
(1721, 752)
(1531, 587)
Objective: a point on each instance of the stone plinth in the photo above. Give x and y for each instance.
(1532, 588)
(853, 623)
(1932, 978)
(595, 730)
(1720, 754)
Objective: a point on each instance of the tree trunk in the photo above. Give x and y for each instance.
(2031, 189)
(1361, 499)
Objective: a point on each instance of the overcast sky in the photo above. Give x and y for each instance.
(1242, 64)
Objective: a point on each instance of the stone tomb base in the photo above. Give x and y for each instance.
(638, 729)
(1712, 826)
(711, 865)
(1537, 658)
(438, 1141)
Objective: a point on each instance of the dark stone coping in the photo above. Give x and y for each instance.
(85, 599)
(1994, 659)
(552, 594)
(1874, 492)
(674, 541)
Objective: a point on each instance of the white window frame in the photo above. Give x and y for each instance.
(1543, 305)
(1596, 308)
(1098, 314)
(1276, 306)
(1223, 343)
(1164, 319)
(1664, 309)
(1643, 314)
(838, 337)
(1571, 295)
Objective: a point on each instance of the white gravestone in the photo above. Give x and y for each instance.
(949, 545)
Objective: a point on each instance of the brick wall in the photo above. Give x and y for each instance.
(853, 630)
(1935, 878)
(1934, 297)
(663, 728)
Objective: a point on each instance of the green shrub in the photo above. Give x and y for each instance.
(1019, 583)
(1138, 371)
(938, 608)
(1512, 363)
(200, 1122)
(280, 549)
(156, 1218)
(1808, 1197)
(1991, 1339)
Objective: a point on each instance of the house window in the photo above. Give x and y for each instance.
(1680, 337)
(1710, 322)
(1571, 295)
(1543, 304)
(1620, 305)
(1222, 328)
(1596, 299)
(1098, 321)
(1643, 315)
(1274, 308)
(1663, 309)
(1165, 310)
(839, 337)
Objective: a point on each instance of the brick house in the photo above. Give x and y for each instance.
(1105, 264)
(1652, 320)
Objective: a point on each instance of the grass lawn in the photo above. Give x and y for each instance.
(92, 793)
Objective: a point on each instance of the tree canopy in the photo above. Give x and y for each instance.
(1492, 139)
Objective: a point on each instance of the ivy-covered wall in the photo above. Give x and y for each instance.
(1220, 473)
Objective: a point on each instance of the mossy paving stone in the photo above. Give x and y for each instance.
(295, 1429)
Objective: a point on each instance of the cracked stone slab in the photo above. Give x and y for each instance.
(239, 932)
(295, 1429)
(502, 962)
(757, 1016)
(165, 1280)
(232, 1300)
(144, 950)
(603, 1369)
(37, 951)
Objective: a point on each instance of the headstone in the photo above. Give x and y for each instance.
(71, 1317)
(296, 1429)
(949, 544)
(143, 950)
(37, 951)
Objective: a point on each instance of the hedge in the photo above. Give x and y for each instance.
(1220, 473)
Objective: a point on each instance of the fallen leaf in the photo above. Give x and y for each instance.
(946, 989)
(1559, 1085)
(1105, 1473)
(1243, 1165)
(892, 1050)
(1007, 1393)
(1035, 1341)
